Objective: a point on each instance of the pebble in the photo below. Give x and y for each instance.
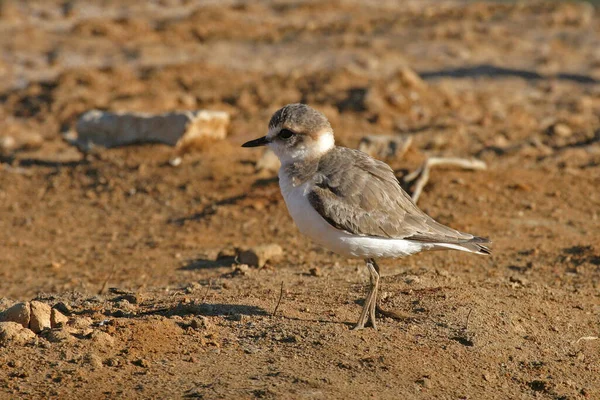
(14, 332)
(20, 313)
(561, 130)
(57, 319)
(258, 256)
(40, 316)
(316, 271)
(7, 143)
(410, 78)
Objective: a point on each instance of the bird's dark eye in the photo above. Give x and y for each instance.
(285, 134)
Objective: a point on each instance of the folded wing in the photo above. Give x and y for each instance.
(358, 194)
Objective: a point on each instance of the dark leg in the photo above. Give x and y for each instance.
(368, 312)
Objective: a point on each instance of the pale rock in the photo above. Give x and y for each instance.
(40, 316)
(7, 143)
(177, 128)
(20, 313)
(561, 130)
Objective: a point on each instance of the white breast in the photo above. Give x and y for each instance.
(311, 224)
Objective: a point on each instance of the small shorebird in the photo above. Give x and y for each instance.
(349, 202)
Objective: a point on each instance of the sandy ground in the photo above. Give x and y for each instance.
(128, 246)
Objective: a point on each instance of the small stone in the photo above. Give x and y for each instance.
(251, 350)
(40, 316)
(201, 323)
(175, 162)
(258, 256)
(7, 143)
(316, 271)
(425, 382)
(113, 362)
(20, 313)
(410, 78)
(241, 269)
(14, 332)
(560, 129)
(57, 319)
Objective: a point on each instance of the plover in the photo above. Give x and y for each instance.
(348, 202)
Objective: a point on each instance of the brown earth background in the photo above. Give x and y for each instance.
(514, 84)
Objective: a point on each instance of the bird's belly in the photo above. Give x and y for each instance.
(311, 224)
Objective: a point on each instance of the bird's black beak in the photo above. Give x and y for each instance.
(263, 141)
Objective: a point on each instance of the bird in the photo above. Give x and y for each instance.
(349, 202)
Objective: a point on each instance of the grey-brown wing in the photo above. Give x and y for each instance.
(361, 195)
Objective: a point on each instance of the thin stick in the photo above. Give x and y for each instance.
(278, 301)
(587, 338)
(468, 316)
(421, 174)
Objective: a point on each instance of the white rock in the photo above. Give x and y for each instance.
(13, 332)
(40, 316)
(20, 312)
(7, 143)
(178, 128)
(385, 146)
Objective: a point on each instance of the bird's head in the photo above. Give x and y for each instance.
(297, 132)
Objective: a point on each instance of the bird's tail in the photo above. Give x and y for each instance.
(474, 245)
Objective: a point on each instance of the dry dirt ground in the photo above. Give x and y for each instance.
(128, 246)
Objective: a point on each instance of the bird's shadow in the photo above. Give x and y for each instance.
(208, 310)
(202, 263)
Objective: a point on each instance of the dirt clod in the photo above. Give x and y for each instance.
(14, 333)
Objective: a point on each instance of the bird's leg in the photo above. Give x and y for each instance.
(374, 270)
(368, 311)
